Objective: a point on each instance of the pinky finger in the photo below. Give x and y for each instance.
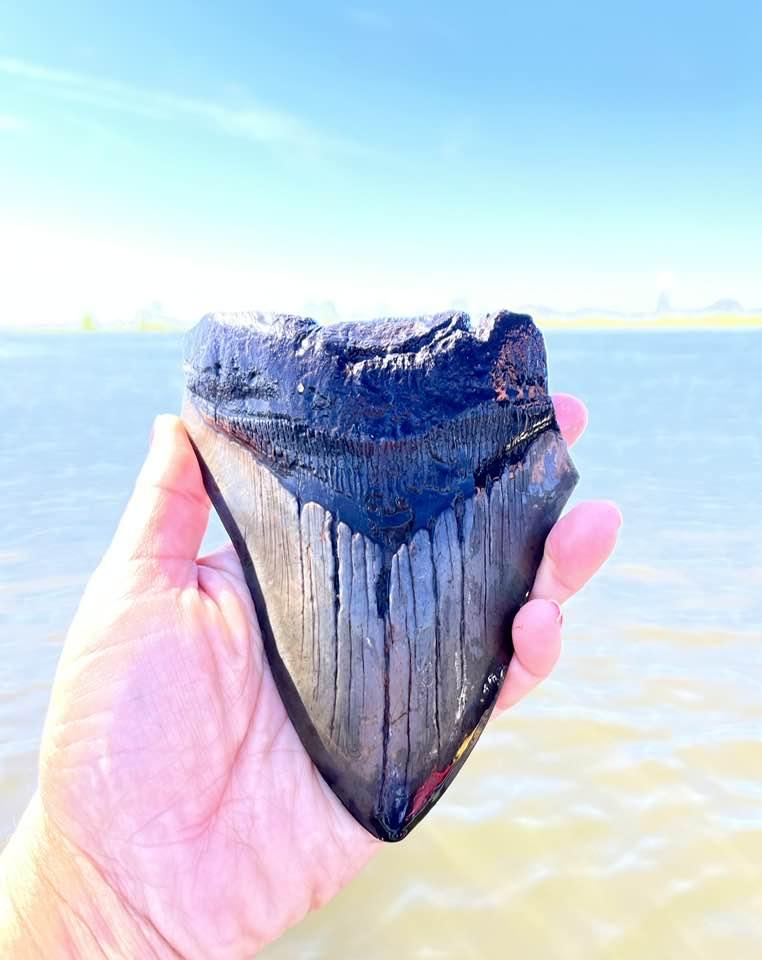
(536, 649)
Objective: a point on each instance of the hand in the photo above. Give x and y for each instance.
(177, 804)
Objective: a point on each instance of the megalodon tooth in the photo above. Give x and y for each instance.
(388, 486)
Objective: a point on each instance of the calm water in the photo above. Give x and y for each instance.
(617, 813)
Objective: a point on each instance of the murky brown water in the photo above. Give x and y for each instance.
(617, 813)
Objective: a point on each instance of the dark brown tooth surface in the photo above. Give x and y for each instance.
(388, 487)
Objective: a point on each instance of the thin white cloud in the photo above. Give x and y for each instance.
(10, 124)
(368, 17)
(251, 122)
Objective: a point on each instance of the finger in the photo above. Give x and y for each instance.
(575, 548)
(571, 415)
(167, 515)
(223, 558)
(536, 647)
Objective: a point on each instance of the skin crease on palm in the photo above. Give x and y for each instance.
(178, 813)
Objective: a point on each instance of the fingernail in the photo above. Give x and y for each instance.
(559, 612)
(151, 434)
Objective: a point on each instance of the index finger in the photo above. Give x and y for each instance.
(571, 415)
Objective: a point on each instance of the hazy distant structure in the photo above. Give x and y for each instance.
(664, 303)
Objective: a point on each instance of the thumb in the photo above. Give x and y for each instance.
(166, 517)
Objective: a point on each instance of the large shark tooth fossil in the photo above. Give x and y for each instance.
(388, 486)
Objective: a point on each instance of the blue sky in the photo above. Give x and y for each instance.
(388, 157)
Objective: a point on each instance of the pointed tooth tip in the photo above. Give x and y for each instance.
(389, 832)
(392, 836)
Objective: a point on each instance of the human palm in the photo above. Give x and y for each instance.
(168, 760)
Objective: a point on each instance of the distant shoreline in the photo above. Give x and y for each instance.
(591, 323)
(656, 323)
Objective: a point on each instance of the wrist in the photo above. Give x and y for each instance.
(55, 903)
